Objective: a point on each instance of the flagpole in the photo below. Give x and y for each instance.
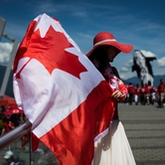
(30, 154)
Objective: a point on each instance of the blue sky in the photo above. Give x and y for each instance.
(140, 23)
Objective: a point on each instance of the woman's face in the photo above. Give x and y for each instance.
(112, 53)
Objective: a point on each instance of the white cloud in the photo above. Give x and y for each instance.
(124, 69)
(127, 66)
(161, 62)
(70, 8)
(129, 63)
(5, 50)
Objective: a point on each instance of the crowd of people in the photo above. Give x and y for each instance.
(146, 94)
(9, 121)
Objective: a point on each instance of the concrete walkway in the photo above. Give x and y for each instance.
(145, 129)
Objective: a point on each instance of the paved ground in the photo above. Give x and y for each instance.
(145, 129)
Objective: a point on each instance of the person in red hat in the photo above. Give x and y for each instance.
(112, 147)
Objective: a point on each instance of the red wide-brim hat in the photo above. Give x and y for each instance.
(106, 38)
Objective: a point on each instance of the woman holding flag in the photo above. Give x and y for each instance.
(111, 146)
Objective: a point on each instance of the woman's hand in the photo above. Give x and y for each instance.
(117, 95)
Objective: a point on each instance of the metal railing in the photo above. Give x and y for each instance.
(14, 134)
(11, 141)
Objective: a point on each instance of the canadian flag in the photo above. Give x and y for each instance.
(61, 92)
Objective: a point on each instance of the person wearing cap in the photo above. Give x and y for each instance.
(9, 157)
(113, 147)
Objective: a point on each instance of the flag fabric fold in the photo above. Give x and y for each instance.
(62, 94)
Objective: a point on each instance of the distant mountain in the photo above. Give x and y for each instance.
(135, 80)
(9, 89)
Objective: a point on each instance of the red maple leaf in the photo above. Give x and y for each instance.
(50, 51)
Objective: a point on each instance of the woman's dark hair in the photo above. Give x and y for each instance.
(100, 53)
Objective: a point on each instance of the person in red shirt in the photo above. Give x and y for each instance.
(8, 125)
(137, 93)
(152, 95)
(161, 92)
(142, 95)
(147, 93)
(25, 138)
(131, 91)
